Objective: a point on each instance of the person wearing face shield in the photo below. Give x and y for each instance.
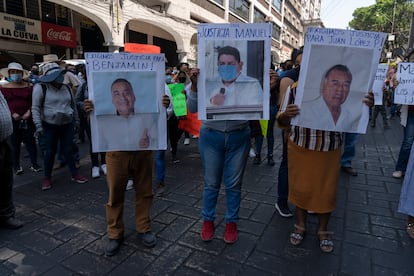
(55, 117)
(18, 94)
(232, 87)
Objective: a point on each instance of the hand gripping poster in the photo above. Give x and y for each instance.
(337, 71)
(126, 90)
(234, 62)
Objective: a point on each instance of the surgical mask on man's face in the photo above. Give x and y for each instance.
(227, 72)
(168, 79)
(16, 77)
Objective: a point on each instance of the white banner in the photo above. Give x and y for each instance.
(22, 28)
(234, 62)
(337, 71)
(404, 92)
(379, 80)
(127, 91)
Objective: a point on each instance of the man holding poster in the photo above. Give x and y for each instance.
(123, 129)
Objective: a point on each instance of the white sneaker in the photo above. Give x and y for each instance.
(103, 168)
(186, 141)
(398, 174)
(252, 153)
(95, 172)
(130, 185)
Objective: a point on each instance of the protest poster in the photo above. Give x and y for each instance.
(337, 71)
(404, 92)
(178, 99)
(378, 85)
(126, 90)
(234, 77)
(190, 123)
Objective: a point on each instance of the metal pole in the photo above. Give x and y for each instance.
(393, 16)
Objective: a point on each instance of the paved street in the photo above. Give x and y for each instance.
(64, 232)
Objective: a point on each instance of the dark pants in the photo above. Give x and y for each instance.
(175, 133)
(49, 141)
(283, 179)
(6, 182)
(25, 135)
(94, 155)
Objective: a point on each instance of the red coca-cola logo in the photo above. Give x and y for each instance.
(58, 35)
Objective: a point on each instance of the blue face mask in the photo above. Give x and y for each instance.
(227, 72)
(168, 79)
(16, 77)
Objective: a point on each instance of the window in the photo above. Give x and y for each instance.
(15, 7)
(277, 4)
(276, 31)
(62, 16)
(32, 9)
(1, 6)
(240, 7)
(48, 12)
(259, 17)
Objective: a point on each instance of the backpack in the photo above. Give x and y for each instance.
(44, 89)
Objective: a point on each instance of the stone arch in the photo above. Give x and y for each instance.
(98, 18)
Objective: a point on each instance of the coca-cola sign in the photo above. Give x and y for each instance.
(58, 35)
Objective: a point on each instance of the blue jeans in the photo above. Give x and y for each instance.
(350, 140)
(269, 136)
(159, 158)
(406, 144)
(49, 141)
(283, 178)
(224, 156)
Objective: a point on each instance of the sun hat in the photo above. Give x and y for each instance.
(51, 58)
(50, 71)
(14, 66)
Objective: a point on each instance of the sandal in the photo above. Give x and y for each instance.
(325, 241)
(298, 234)
(410, 229)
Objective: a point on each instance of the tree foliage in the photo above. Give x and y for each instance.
(388, 16)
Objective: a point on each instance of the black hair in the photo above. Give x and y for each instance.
(121, 80)
(228, 50)
(295, 54)
(338, 67)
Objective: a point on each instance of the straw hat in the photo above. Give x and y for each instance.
(51, 58)
(14, 66)
(51, 71)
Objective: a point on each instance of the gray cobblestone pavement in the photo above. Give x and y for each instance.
(64, 231)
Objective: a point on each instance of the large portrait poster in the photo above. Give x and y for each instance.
(404, 92)
(379, 80)
(337, 71)
(234, 62)
(126, 90)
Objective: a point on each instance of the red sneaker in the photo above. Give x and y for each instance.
(79, 179)
(207, 232)
(230, 235)
(46, 184)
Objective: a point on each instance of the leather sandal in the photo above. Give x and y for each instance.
(325, 241)
(297, 235)
(410, 229)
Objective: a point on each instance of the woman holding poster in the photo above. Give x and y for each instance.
(312, 187)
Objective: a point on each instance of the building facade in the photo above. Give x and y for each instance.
(68, 28)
